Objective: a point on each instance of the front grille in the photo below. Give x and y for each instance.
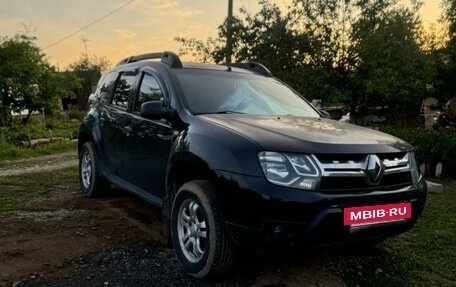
(363, 173)
(358, 184)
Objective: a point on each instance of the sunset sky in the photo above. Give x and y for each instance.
(140, 26)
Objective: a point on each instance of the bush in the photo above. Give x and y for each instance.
(76, 113)
(34, 129)
(431, 147)
(38, 127)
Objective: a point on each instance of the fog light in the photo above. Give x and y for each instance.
(278, 229)
(309, 184)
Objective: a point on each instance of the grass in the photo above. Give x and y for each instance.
(424, 256)
(11, 152)
(39, 127)
(15, 191)
(50, 127)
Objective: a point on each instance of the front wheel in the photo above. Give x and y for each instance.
(92, 184)
(199, 236)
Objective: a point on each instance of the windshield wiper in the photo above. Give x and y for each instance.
(221, 112)
(229, 112)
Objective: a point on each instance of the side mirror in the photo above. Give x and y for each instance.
(155, 110)
(91, 99)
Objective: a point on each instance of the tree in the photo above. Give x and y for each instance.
(89, 71)
(27, 81)
(372, 51)
(391, 66)
(334, 65)
(447, 56)
(69, 85)
(270, 37)
(357, 52)
(449, 16)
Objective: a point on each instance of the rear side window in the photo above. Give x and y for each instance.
(105, 86)
(149, 91)
(122, 91)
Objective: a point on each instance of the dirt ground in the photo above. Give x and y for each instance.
(44, 242)
(45, 245)
(38, 164)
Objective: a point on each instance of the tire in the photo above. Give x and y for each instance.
(203, 246)
(92, 184)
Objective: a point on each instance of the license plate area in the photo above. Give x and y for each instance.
(374, 215)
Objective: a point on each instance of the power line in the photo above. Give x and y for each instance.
(88, 25)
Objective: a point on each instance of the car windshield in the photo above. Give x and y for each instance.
(215, 92)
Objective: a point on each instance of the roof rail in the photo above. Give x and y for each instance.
(252, 66)
(168, 58)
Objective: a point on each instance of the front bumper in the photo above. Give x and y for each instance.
(261, 214)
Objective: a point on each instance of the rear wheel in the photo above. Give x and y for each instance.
(92, 184)
(199, 236)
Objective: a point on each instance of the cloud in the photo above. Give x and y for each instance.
(126, 51)
(172, 9)
(124, 33)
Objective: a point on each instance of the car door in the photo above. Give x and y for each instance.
(147, 142)
(112, 122)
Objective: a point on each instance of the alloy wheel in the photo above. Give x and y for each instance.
(192, 230)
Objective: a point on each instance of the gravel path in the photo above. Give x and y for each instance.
(39, 164)
(132, 266)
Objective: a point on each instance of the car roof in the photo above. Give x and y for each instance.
(214, 67)
(172, 61)
(187, 65)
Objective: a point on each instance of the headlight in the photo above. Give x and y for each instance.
(291, 170)
(414, 170)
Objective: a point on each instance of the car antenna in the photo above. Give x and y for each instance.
(228, 68)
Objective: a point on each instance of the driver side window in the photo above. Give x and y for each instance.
(149, 91)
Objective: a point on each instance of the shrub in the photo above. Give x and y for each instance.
(39, 127)
(431, 147)
(76, 113)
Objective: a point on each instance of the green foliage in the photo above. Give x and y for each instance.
(449, 16)
(445, 57)
(75, 113)
(38, 127)
(276, 40)
(85, 73)
(361, 53)
(391, 68)
(69, 84)
(51, 127)
(201, 51)
(431, 147)
(27, 81)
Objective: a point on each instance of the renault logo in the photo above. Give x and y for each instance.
(375, 169)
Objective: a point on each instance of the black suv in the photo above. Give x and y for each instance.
(234, 157)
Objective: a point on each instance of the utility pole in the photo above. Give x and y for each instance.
(229, 32)
(85, 40)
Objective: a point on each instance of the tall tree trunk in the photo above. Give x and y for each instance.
(26, 119)
(5, 117)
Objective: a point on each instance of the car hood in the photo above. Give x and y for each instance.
(308, 135)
